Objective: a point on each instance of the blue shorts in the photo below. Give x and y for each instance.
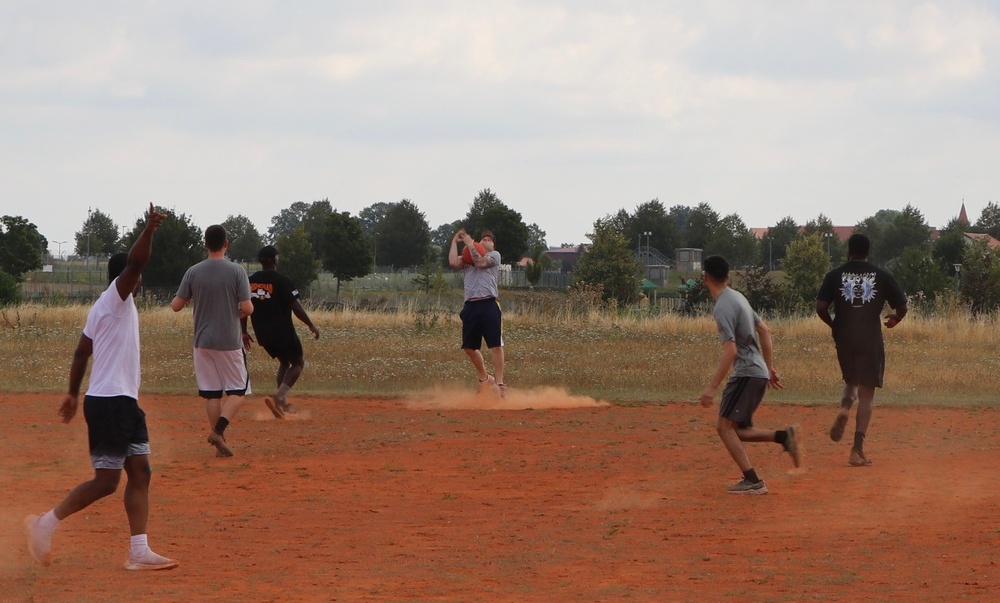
(482, 319)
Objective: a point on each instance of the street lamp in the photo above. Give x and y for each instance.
(828, 236)
(647, 233)
(60, 244)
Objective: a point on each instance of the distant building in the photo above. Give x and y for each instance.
(567, 257)
(688, 259)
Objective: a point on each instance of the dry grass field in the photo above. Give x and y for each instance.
(598, 480)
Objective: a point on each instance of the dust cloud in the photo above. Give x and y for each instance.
(516, 399)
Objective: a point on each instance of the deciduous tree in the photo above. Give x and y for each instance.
(297, 259)
(489, 212)
(21, 246)
(99, 236)
(609, 262)
(404, 237)
(245, 240)
(347, 254)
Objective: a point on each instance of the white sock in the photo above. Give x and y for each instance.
(49, 522)
(138, 545)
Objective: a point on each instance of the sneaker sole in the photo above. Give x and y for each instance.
(839, 424)
(150, 567)
(274, 408)
(860, 463)
(757, 491)
(220, 446)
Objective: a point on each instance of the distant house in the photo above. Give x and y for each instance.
(971, 237)
(567, 257)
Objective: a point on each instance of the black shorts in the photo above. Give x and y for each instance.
(284, 345)
(741, 398)
(862, 365)
(481, 319)
(116, 428)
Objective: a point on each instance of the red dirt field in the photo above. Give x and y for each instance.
(418, 500)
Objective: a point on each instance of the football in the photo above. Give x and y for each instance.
(467, 255)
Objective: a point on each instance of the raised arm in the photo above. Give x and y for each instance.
(139, 254)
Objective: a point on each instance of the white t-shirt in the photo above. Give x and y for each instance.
(113, 326)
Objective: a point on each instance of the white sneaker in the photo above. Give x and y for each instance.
(39, 543)
(501, 390)
(149, 561)
(489, 383)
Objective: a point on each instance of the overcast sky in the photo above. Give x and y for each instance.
(567, 110)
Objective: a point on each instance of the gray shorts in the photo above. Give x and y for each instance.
(221, 372)
(741, 398)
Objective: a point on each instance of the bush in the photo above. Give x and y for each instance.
(10, 290)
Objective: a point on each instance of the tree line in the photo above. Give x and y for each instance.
(315, 235)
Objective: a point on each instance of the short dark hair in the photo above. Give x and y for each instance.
(488, 233)
(268, 253)
(116, 264)
(215, 237)
(858, 246)
(716, 267)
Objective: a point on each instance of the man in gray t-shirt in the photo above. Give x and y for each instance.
(481, 315)
(221, 293)
(747, 357)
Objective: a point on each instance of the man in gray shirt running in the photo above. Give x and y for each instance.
(221, 293)
(748, 352)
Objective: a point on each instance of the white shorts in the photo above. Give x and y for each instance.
(221, 372)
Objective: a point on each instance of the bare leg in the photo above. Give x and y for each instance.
(477, 361)
(498, 362)
(137, 492)
(282, 369)
(290, 376)
(730, 438)
(214, 409)
(866, 399)
(230, 405)
(752, 434)
(105, 483)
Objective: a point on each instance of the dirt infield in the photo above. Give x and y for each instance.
(417, 500)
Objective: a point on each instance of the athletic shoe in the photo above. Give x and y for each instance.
(220, 444)
(39, 544)
(488, 382)
(286, 408)
(745, 487)
(275, 407)
(501, 390)
(837, 430)
(792, 444)
(149, 561)
(858, 459)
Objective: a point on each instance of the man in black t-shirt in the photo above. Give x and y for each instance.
(858, 291)
(275, 299)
